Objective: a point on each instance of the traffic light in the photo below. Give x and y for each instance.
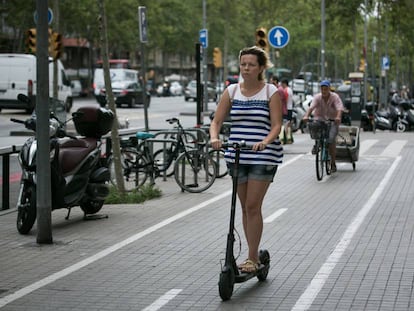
(55, 45)
(362, 65)
(217, 58)
(261, 38)
(31, 41)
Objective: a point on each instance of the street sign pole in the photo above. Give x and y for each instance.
(142, 17)
(43, 189)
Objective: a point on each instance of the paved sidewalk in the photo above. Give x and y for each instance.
(173, 245)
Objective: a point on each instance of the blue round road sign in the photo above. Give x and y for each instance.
(49, 16)
(278, 37)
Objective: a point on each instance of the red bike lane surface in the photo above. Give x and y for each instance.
(14, 177)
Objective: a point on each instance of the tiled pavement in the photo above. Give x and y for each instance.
(327, 254)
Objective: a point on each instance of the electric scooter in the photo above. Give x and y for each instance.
(230, 273)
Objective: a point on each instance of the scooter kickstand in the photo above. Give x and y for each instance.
(67, 216)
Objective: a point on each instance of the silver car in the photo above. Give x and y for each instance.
(190, 91)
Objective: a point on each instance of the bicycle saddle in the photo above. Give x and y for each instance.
(144, 135)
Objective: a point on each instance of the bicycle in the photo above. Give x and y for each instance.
(319, 131)
(194, 169)
(165, 157)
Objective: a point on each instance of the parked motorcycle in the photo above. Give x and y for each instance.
(79, 174)
(407, 113)
(383, 119)
(299, 110)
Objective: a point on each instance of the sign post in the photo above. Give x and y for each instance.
(143, 36)
(203, 38)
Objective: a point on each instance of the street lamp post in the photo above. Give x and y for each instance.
(322, 39)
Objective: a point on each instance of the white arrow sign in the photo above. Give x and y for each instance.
(278, 37)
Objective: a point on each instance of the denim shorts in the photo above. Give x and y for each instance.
(253, 171)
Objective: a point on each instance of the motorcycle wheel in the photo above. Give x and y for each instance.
(26, 210)
(91, 206)
(401, 127)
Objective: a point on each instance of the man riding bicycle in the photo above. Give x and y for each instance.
(326, 106)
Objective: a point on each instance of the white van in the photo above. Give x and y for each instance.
(18, 75)
(117, 75)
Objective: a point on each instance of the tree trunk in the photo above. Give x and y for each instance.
(116, 148)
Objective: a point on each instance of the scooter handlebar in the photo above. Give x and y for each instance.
(237, 145)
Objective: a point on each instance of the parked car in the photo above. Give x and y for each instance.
(77, 89)
(190, 91)
(18, 75)
(127, 93)
(176, 89)
(116, 74)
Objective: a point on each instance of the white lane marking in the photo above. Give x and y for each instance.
(366, 144)
(163, 300)
(393, 149)
(291, 160)
(306, 299)
(275, 215)
(83, 263)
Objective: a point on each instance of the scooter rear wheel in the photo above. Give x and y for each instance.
(264, 257)
(91, 206)
(226, 284)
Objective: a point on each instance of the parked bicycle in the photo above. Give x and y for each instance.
(185, 138)
(319, 131)
(194, 169)
(181, 138)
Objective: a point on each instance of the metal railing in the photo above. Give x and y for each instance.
(5, 153)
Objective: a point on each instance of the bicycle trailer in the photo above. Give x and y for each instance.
(347, 144)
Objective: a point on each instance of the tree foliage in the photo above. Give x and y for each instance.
(174, 25)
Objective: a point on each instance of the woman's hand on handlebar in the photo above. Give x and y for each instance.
(216, 143)
(259, 146)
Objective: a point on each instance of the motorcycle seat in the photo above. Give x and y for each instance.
(73, 151)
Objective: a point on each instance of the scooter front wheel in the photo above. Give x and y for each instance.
(26, 209)
(226, 283)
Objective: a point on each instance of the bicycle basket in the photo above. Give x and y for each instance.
(317, 129)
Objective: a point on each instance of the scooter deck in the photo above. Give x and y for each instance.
(244, 276)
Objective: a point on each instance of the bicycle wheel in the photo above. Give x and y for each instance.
(327, 160)
(195, 171)
(164, 159)
(218, 158)
(135, 169)
(319, 161)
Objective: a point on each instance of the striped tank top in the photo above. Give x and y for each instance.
(250, 121)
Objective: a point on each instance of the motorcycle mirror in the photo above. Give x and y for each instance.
(77, 114)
